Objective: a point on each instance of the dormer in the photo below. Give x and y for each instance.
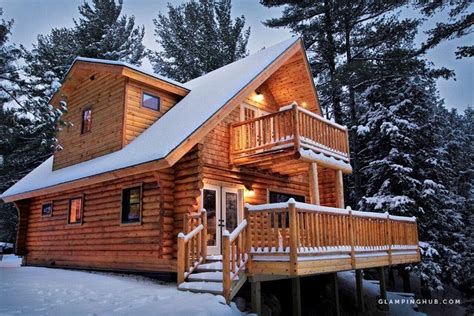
(109, 104)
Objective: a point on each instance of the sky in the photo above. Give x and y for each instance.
(33, 17)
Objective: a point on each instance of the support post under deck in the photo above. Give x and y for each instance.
(359, 291)
(256, 293)
(296, 296)
(383, 287)
(336, 294)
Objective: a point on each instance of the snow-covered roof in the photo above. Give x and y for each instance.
(208, 95)
(127, 65)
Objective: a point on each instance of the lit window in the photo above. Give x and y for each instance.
(131, 205)
(75, 211)
(47, 209)
(86, 125)
(150, 102)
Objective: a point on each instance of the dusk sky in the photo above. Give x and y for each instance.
(33, 17)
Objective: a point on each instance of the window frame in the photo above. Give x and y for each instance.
(52, 208)
(89, 108)
(140, 213)
(69, 210)
(151, 94)
(283, 192)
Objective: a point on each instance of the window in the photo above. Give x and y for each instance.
(75, 211)
(277, 197)
(47, 209)
(150, 102)
(131, 205)
(86, 125)
(283, 220)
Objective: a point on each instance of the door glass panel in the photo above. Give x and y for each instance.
(209, 204)
(231, 206)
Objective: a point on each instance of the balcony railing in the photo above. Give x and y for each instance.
(291, 127)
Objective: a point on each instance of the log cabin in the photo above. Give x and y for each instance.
(232, 177)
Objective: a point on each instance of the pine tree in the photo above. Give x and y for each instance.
(10, 88)
(460, 22)
(371, 78)
(408, 170)
(102, 33)
(352, 45)
(198, 37)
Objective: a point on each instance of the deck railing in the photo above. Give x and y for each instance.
(292, 126)
(192, 244)
(235, 254)
(298, 229)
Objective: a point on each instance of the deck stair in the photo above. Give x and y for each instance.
(208, 278)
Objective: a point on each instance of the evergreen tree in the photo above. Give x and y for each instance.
(10, 88)
(372, 79)
(407, 173)
(102, 33)
(198, 37)
(459, 23)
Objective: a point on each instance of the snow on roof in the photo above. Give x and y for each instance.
(125, 64)
(208, 95)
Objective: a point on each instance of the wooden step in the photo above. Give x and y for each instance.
(215, 276)
(213, 258)
(202, 287)
(210, 267)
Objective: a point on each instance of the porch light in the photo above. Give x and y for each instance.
(248, 192)
(304, 104)
(258, 96)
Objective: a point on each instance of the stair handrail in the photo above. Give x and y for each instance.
(192, 248)
(235, 256)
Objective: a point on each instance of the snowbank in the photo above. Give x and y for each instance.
(43, 291)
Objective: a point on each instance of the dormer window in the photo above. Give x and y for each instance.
(150, 101)
(86, 125)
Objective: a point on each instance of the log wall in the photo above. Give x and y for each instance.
(101, 241)
(139, 118)
(105, 96)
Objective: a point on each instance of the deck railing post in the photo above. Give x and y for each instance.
(226, 282)
(296, 130)
(416, 240)
(351, 234)
(248, 240)
(389, 239)
(204, 234)
(293, 236)
(181, 262)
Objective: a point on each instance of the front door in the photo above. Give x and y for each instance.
(224, 207)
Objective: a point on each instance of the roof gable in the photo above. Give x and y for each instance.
(210, 99)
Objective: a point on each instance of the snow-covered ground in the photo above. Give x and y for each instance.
(372, 291)
(43, 291)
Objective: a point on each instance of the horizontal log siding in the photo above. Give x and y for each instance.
(188, 183)
(102, 242)
(139, 118)
(105, 95)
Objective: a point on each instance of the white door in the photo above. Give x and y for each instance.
(224, 212)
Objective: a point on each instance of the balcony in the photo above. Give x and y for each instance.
(293, 132)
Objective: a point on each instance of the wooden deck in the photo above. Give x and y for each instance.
(267, 142)
(295, 239)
